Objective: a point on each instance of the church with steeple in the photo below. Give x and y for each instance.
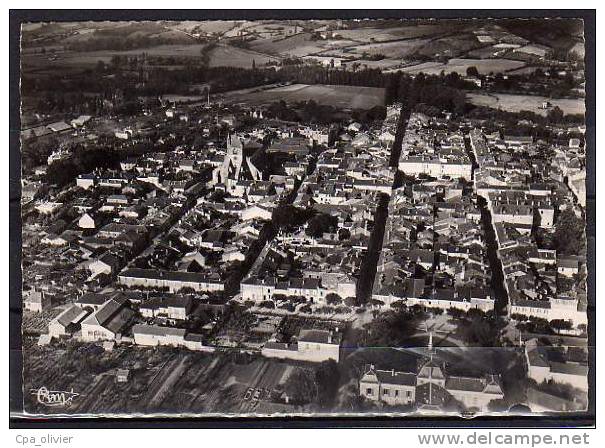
(429, 387)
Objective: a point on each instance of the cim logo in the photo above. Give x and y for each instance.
(54, 398)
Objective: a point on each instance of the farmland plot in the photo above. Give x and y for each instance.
(484, 66)
(346, 97)
(516, 103)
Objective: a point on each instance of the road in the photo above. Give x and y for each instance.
(368, 267)
(370, 261)
(497, 277)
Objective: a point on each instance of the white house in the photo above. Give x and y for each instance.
(86, 221)
(36, 301)
(68, 322)
(388, 386)
(541, 368)
(155, 335)
(567, 266)
(311, 346)
(173, 280)
(108, 322)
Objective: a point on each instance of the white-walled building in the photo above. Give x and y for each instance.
(68, 322)
(540, 368)
(173, 280)
(388, 386)
(155, 335)
(108, 322)
(311, 346)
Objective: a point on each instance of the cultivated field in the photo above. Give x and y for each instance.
(160, 380)
(400, 32)
(221, 56)
(393, 42)
(345, 97)
(516, 103)
(484, 66)
(528, 69)
(398, 49)
(226, 56)
(298, 45)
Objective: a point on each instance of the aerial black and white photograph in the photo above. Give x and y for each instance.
(304, 217)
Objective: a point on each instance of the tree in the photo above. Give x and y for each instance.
(376, 302)
(475, 313)
(390, 328)
(481, 331)
(306, 309)
(560, 324)
(472, 71)
(327, 377)
(569, 233)
(455, 313)
(320, 224)
(300, 387)
(399, 305)
(333, 299)
(290, 216)
(555, 115)
(351, 301)
(344, 234)
(498, 405)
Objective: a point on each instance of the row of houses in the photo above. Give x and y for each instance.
(521, 198)
(340, 197)
(434, 250)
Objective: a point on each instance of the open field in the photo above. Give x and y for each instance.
(484, 66)
(346, 97)
(220, 56)
(528, 69)
(299, 45)
(393, 33)
(486, 52)
(226, 56)
(384, 64)
(394, 42)
(160, 380)
(397, 49)
(209, 27)
(516, 103)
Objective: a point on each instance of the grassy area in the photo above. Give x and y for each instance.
(345, 97)
(458, 65)
(516, 103)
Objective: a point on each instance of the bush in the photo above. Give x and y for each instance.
(287, 306)
(333, 299)
(342, 310)
(306, 309)
(455, 312)
(351, 301)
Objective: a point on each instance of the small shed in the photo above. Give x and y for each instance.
(122, 375)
